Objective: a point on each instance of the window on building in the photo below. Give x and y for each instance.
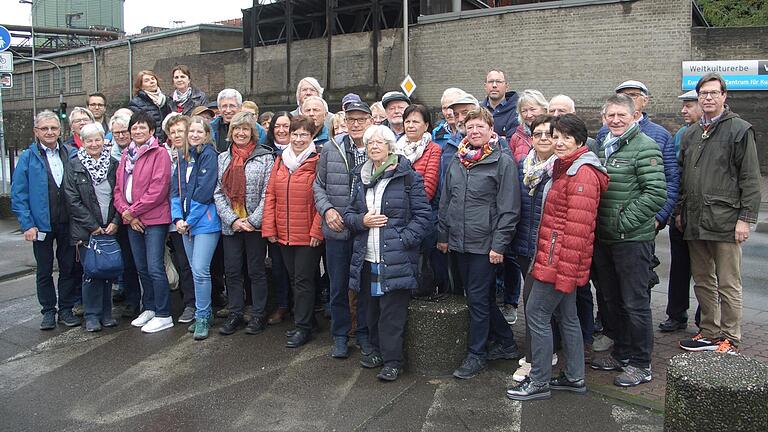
(43, 79)
(75, 78)
(59, 81)
(28, 86)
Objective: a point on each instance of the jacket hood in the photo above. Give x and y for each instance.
(509, 104)
(402, 168)
(584, 157)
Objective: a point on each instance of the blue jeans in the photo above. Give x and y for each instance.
(513, 281)
(339, 255)
(280, 281)
(129, 281)
(200, 249)
(70, 273)
(148, 249)
(486, 321)
(97, 296)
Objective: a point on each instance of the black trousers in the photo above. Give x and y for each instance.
(249, 248)
(679, 288)
(181, 262)
(302, 263)
(386, 316)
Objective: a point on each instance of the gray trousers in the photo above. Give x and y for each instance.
(544, 302)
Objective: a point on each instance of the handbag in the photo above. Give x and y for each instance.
(103, 258)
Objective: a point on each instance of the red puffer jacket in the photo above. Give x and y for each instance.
(520, 143)
(567, 230)
(428, 165)
(289, 204)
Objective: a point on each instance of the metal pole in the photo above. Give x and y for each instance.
(375, 42)
(34, 86)
(405, 38)
(3, 159)
(288, 40)
(329, 21)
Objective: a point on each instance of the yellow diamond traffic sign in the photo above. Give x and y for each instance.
(408, 85)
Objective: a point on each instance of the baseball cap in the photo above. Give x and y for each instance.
(689, 96)
(394, 96)
(358, 106)
(349, 97)
(632, 84)
(465, 99)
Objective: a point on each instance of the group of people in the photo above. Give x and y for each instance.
(506, 191)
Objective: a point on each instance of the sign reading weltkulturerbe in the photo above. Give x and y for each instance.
(738, 74)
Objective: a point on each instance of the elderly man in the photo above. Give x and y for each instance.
(446, 129)
(39, 203)
(332, 189)
(720, 199)
(501, 102)
(97, 104)
(316, 109)
(624, 240)
(680, 266)
(78, 118)
(229, 102)
(394, 104)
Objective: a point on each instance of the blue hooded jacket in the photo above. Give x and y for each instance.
(504, 115)
(192, 201)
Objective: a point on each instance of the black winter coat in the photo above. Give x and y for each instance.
(142, 102)
(85, 214)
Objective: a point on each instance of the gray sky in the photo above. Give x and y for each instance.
(141, 13)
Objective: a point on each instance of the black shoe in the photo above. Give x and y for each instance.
(68, 318)
(298, 338)
(371, 361)
(498, 352)
(608, 363)
(234, 323)
(130, 312)
(529, 390)
(118, 297)
(671, 325)
(219, 300)
(256, 325)
(92, 325)
(470, 367)
(388, 373)
(563, 383)
(109, 322)
(49, 321)
(340, 348)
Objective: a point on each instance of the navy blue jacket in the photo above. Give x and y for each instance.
(409, 221)
(196, 195)
(504, 115)
(666, 143)
(142, 102)
(527, 233)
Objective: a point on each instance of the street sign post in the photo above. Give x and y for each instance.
(6, 62)
(5, 39)
(6, 65)
(408, 85)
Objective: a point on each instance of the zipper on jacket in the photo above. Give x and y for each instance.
(552, 247)
(288, 209)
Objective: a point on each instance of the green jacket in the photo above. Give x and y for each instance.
(636, 192)
(721, 179)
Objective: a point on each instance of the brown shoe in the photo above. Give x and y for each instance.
(277, 316)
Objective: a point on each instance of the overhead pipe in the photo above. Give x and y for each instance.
(95, 70)
(63, 31)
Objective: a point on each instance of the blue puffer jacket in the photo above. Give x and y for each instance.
(192, 201)
(504, 115)
(222, 146)
(29, 188)
(142, 102)
(666, 143)
(409, 221)
(527, 233)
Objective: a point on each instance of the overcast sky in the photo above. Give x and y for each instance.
(142, 13)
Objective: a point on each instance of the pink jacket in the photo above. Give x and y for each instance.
(151, 182)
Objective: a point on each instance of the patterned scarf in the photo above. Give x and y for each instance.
(181, 98)
(157, 96)
(97, 168)
(233, 180)
(469, 155)
(612, 143)
(534, 170)
(412, 150)
(133, 152)
(293, 161)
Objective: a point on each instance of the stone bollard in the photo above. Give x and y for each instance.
(436, 335)
(716, 392)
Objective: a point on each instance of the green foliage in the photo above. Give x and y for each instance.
(735, 13)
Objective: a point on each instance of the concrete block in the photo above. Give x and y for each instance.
(436, 335)
(711, 391)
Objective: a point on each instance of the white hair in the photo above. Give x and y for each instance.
(311, 81)
(81, 110)
(119, 118)
(229, 93)
(91, 129)
(316, 98)
(381, 132)
(531, 97)
(46, 115)
(567, 100)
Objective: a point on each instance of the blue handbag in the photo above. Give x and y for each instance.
(103, 258)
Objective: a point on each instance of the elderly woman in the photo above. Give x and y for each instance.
(298, 231)
(530, 105)
(278, 139)
(562, 261)
(185, 96)
(78, 118)
(88, 187)
(149, 98)
(243, 173)
(194, 213)
(141, 198)
(389, 215)
(119, 133)
(479, 208)
(534, 172)
(378, 113)
(308, 86)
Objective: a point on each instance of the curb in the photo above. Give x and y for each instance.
(17, 274)
(631, 399)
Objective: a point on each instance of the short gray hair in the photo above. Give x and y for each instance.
(46, 115)
(567, 100)
(531, 97)
(381, 132)
(316, 98)
(81, 110)
(311, 81)
(229, 93)
(90, 130)
(619, 99)
(120, 119)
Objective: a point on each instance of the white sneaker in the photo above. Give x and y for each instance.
(554, 359)
(602, 343)
(522, 372)
(156, 324)
(144, 318)
(521, 361)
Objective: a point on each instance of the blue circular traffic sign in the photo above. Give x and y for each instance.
(5, 39)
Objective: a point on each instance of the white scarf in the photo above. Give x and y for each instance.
(181, 98)
(158, 98)
(412, 150)
(292, 161)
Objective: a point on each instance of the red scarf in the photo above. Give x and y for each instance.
(233, 180)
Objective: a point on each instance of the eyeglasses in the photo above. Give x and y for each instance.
(48, 129)
(120, 133)
(228, 107)
(300, 135)
(96, 105)
(714, 94)
(377, 143)
(81, 120)
(541, 134)
(360, 121)
(497, 82)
